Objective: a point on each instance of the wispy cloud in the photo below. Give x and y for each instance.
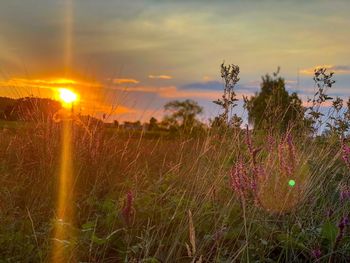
(339, 69)
(207, 85)
(125, 81)
(102, 108)
(244, 88)
(159, 77)
(46, 83)
(173, 92)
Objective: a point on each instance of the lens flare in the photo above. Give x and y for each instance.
(64, 236)
(291, 183)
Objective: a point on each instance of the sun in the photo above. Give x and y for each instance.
(67, 96)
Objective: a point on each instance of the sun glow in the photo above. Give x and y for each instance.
(65, 81)
(67, 96)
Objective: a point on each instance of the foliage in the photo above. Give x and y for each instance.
(273, 107)
(323, 82)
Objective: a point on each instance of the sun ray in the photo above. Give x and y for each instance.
(63, 241)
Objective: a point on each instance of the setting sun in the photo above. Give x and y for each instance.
(67, 96)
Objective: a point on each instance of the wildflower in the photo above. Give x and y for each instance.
(244, 178)
(344, 192)
(343, 223)
(316, 253)
(127, 211)
(239, 178)
(345, 154)
(286, 155)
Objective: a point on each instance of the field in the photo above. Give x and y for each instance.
(174, 131)
(182, 199)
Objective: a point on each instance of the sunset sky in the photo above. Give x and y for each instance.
(136, 55)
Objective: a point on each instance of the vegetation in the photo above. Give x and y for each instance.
(273, 107)
(228, 101)
(237, 196)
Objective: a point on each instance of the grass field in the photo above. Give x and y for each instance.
(141, 199)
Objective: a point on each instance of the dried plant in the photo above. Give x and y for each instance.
(228, 101)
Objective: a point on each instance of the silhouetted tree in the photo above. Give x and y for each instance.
(273, 107)
(153, 124)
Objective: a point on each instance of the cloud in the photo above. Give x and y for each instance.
(245, 88)
(209, 85)
(102, 108)
(159, 77)
(46, 83)
(125, 81)
(339, 69)
(173, 92)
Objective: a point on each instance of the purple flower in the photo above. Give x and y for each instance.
(286, 155)
(344, 192)
(239, 178)
(243, 179)
(316, 253)
(127, 210)
(345, 154)
(343, 223)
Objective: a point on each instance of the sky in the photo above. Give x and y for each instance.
(128, 58)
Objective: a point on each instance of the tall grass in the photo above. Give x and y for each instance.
(139, 199)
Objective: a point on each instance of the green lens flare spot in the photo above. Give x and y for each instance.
(291, 183)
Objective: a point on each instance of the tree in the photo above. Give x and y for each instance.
(183, 114)
(273, 107)
(153, 124)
